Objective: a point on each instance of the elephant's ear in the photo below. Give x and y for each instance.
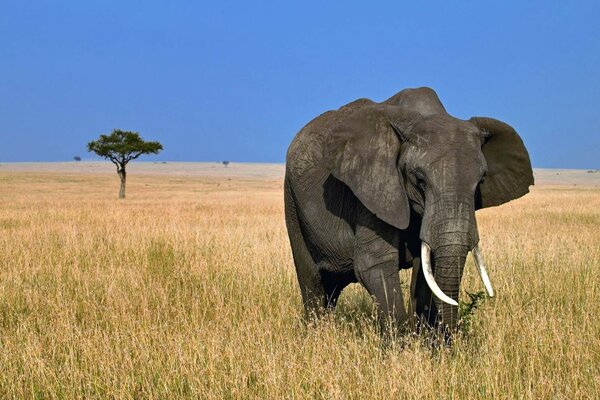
(363, 153)
(509, 172)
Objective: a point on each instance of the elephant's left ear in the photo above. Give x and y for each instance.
(362, 151)
(509, 172)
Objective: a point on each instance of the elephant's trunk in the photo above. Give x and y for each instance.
(450, 229)
(449, 262)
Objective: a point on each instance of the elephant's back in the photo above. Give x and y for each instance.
(305, 153)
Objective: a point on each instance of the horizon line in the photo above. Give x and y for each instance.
(230, 162)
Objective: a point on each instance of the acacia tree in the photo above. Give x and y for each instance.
(120, 147)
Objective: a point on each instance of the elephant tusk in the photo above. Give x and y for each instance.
(429, 278)
(482, 272)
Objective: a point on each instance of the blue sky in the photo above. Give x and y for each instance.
(236, 80)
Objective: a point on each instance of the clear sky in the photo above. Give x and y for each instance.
(236, 80)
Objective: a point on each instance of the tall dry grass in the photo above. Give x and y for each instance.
(187, 289)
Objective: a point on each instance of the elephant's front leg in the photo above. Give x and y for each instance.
(382, 281)
(376, 267)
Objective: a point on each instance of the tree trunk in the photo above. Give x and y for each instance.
(123, 177)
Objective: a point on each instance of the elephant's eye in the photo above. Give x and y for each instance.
(482, 179)
(420, 179)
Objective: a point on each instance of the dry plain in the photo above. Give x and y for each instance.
(186, 289)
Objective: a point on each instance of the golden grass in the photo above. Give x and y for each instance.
(187, 289)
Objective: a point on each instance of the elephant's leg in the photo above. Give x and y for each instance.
(376, 264)
(314, 297)
(382, 281)
(310, 282)
(320, 292)
(334, 283)
(309, 279)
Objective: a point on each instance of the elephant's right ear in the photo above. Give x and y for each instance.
(363, 154)
(509, 167)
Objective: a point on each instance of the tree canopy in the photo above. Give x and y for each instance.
(120, 147)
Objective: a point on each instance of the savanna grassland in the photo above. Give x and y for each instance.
(187, 289)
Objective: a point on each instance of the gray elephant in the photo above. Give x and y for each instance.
(373, 188)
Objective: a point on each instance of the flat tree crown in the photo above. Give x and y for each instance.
(120, 147)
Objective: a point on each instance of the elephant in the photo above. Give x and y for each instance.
(372, 188)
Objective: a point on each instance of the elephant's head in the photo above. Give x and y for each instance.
(408, 153)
